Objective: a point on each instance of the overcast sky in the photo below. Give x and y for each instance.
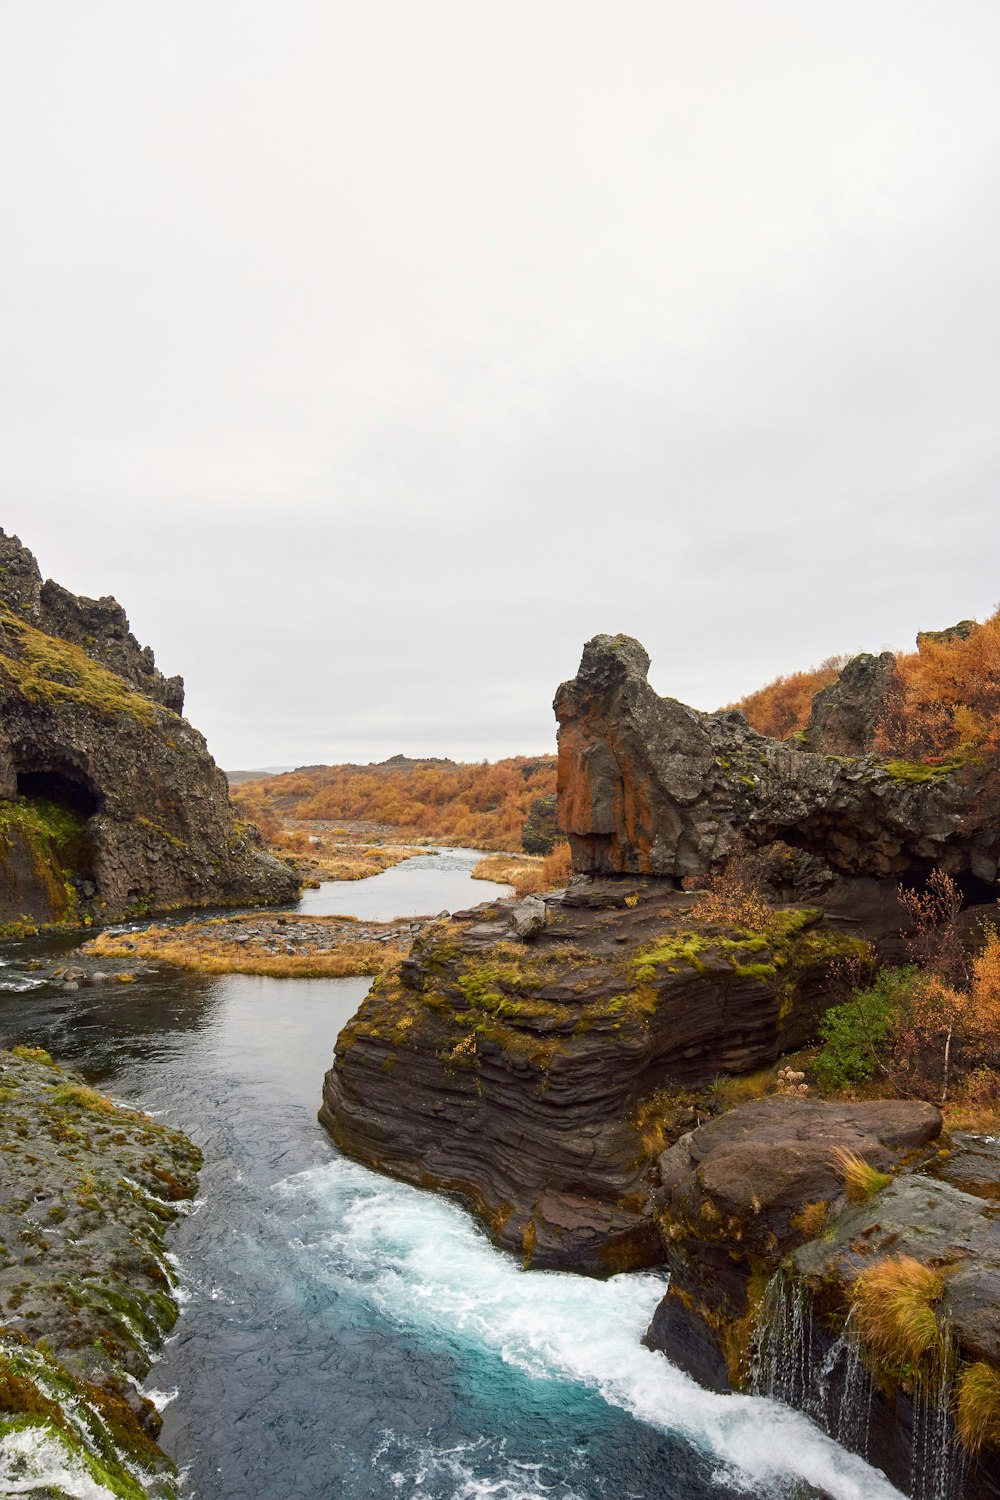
(377, 354)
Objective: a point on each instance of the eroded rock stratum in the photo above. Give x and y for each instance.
(650, 786)
(109, 799)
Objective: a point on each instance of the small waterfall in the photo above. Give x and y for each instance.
(938, 1460)
(836, 1390)
(781, 1358)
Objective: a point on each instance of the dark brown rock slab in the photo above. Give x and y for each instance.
(510, 1073)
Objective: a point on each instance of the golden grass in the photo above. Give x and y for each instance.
(860, 1178)
(526, 872)
(811, 1221)
(350, 863)
(894, 1302)
(977, 1406)
(199, 950)
(743, 1088)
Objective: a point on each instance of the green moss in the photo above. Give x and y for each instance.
(95, 1427)
(55, 841)
(50, 671)
(670, 952)
(915, 772)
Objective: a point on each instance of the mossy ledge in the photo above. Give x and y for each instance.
(519, 1076)
(89, 1190)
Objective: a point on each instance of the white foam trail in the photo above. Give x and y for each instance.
(420, 1260)
(31, 1461)
(162, 1399)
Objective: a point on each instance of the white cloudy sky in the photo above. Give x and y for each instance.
(377, 354)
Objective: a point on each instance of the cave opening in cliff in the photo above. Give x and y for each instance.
(65, 791)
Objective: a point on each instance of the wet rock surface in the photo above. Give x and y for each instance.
(87, 1193)
(109, 800)
(759, 1197)
(509, 1072)
(649, 785)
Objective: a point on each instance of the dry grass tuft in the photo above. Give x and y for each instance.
(812, 1219)
(977, 1406)
(860, 1178)
(895, 1314)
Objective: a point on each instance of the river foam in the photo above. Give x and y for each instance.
(423, 1265)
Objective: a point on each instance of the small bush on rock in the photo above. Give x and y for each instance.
(857, 1036)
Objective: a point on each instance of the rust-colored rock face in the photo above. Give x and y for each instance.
(650, 786)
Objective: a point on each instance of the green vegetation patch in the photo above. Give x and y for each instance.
(50, 671)
(917, 772)
(55, 839)
(857, 1035)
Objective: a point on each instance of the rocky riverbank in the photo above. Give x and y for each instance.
(831, 1255)
(87, 1291)
(289, 945)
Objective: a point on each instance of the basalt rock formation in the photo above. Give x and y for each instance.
(513, 1074)
(786, 1276)
(109, 800)
(846, 715)
(648, 785)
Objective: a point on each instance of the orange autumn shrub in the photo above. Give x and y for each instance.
(948, 701)
(481, 805)
(781, 708)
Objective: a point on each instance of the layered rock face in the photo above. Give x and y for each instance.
(648, 785)
(109, 800)
(771, 1243)
(513, 1073)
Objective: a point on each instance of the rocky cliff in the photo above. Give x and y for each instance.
(512, 1072)
(109, 799)
(648, 785)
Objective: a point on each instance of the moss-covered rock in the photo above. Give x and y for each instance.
(87, 1193)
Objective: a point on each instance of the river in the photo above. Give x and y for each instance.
(346, 1337)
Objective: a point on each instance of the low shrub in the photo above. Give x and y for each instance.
(857, 1036)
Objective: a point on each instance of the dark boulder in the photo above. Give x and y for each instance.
(846, 715)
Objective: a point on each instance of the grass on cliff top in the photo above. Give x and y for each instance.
(785, 939)
(201, 949)
(50, 671)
